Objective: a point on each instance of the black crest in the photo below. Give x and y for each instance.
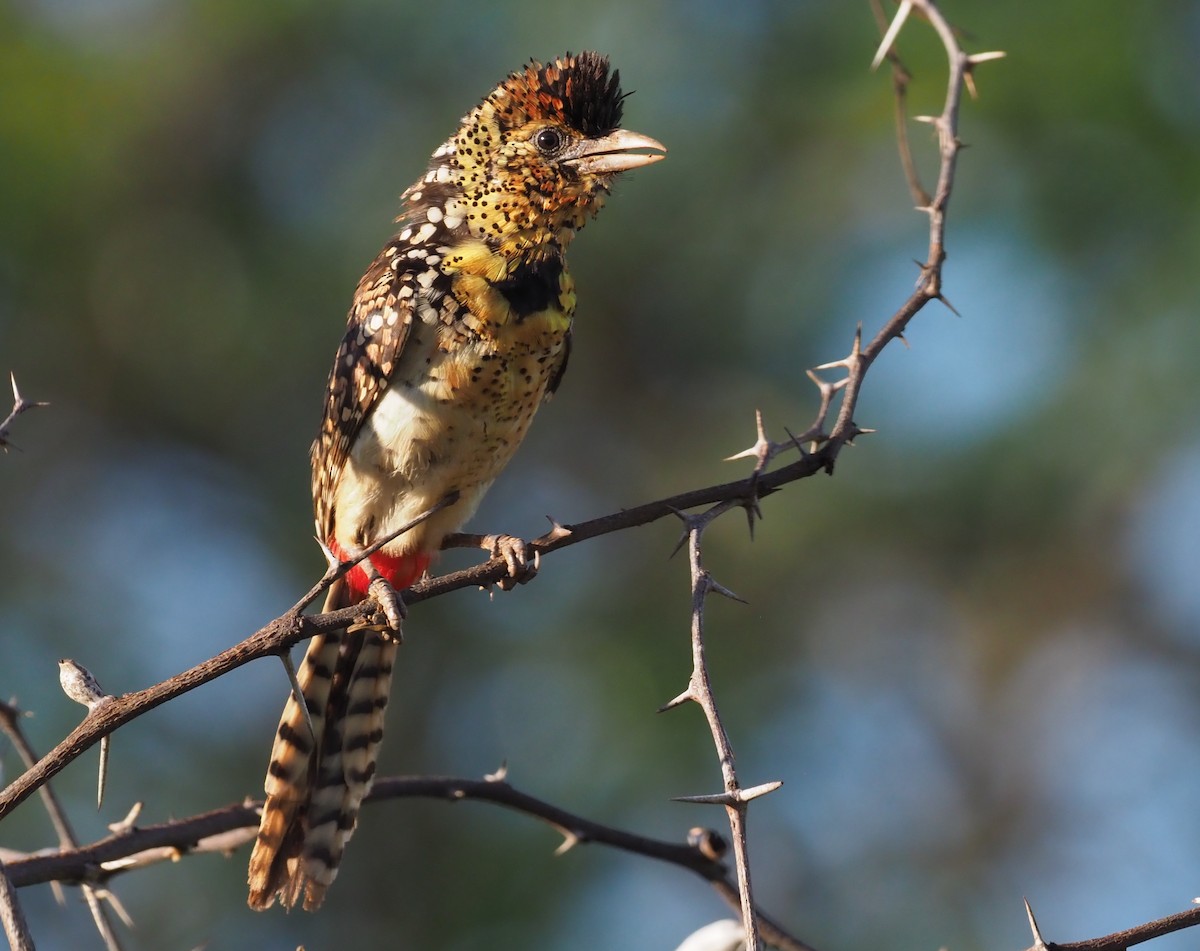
(591, 97)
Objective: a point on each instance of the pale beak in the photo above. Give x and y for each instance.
(613, 153)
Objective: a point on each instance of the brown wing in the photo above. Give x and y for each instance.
(376, 332)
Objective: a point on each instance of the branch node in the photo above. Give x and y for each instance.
(969, 68)
(746, 795)
(129, 823)
(557, 532)
(20, 405)
(114, 902)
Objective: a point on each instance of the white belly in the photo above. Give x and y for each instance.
(408, 456)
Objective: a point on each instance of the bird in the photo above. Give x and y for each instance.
(457, 332)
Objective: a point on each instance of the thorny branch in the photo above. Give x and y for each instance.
(818, 448)
(10, 726)
(20, 405)
(929, 284)
(845, 429)
(735, 798)
(1118, 940)
(285, 631)
(900, 80)
(224, 830)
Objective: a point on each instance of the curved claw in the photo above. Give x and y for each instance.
(389, 600)
(522, 561)
(390, 622)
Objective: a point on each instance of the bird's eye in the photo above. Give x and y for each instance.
(549, 141)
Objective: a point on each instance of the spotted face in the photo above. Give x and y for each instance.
(534, 160)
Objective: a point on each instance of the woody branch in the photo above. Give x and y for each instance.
(818, 449)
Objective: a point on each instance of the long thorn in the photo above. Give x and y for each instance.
(677, 701)
(103, 774)
(892, 32)
(286, 659)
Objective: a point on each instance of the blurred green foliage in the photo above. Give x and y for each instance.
(973, 655)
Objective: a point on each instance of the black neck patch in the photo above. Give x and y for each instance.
(532, 287)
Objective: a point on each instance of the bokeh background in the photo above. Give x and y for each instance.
(973, 655)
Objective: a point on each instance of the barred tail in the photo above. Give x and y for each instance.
(347, 767)
(314, 789)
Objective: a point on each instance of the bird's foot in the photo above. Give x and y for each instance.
(522, 561)
(390, 603)
(392, 612)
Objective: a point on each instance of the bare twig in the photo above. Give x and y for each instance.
(10, 725)
(900, 80)
(20, 405)
(292, 627)
(929, 284)
(224, 830)
(1120, 940)
(95, 898)
(276, 637)
(845, 429)
(735, 799)
(11, 917)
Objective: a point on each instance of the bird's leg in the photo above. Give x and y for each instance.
(386, 597)
(522, 561)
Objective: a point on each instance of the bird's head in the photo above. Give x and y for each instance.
(534, 160)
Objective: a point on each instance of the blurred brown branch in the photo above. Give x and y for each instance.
(224, 830)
